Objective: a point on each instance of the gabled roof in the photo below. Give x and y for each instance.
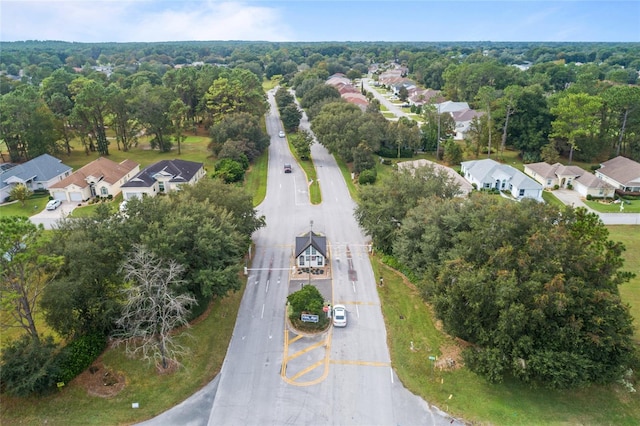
(102, 168)
(548, 171)
(41, 168)
(317, 241)
(178, 171)
(592, 181)
(450, 106)
(622, 170)
(465, 186)
(465, 115)
(488, 170)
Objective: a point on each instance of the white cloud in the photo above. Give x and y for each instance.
(95, 21)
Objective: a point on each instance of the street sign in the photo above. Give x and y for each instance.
(309, 318)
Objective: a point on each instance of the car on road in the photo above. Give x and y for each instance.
(281, 134)
(339, 316)
(287, 168)
(53, 204)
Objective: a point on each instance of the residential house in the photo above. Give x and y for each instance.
(38, 173)
(489, 174)
(550, 175)
(463, 120)
(163, 177)
(311, 250)
(465, 186)
(461, 113)
(621, 173)
(348, 91)
(424, 97)
(101, 177)
(583, 182)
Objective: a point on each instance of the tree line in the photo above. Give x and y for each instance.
(533, 289)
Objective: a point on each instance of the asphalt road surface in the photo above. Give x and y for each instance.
(272, 376)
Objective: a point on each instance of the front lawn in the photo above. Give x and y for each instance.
(35, 204)
(632, 206)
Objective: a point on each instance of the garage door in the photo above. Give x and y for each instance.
(130, 195)
(75, 196)
(59, 195)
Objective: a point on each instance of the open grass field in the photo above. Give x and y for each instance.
(629, 235)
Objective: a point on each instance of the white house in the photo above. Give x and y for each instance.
(38, 173)
(311, 250)
(163, 177)
(101, 177)
(489, 174)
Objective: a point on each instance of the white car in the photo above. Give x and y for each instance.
(339, 316)
(53, 204)
(281, 134)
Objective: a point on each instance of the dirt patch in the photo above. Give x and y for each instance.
(100, 381)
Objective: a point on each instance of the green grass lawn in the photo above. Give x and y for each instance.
(255, 181)
(315, 196)
(632, 206)
(35, 204)
(629, 235)
(155, 393)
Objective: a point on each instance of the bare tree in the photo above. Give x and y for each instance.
(152, 310)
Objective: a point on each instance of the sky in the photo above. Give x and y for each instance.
(307, 20)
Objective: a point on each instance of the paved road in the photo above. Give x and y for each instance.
(272, 376)
(393, 108)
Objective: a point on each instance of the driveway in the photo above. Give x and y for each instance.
(574, 199)
(49, 218)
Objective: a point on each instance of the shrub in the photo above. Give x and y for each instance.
(589, 197)
(308, 300)
(569, 186)
(78, 355)
(556, 186)
(29, 367)
(367, 177)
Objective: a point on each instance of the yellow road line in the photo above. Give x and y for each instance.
(305, 350)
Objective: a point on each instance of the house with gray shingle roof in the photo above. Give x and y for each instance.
(489, 174)
(311, 250)
(163, 177)
(621, 173)
(38, 173)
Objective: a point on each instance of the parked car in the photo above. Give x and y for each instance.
(53, 204)
(287, 168)
(339, 316)
(281, 134)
